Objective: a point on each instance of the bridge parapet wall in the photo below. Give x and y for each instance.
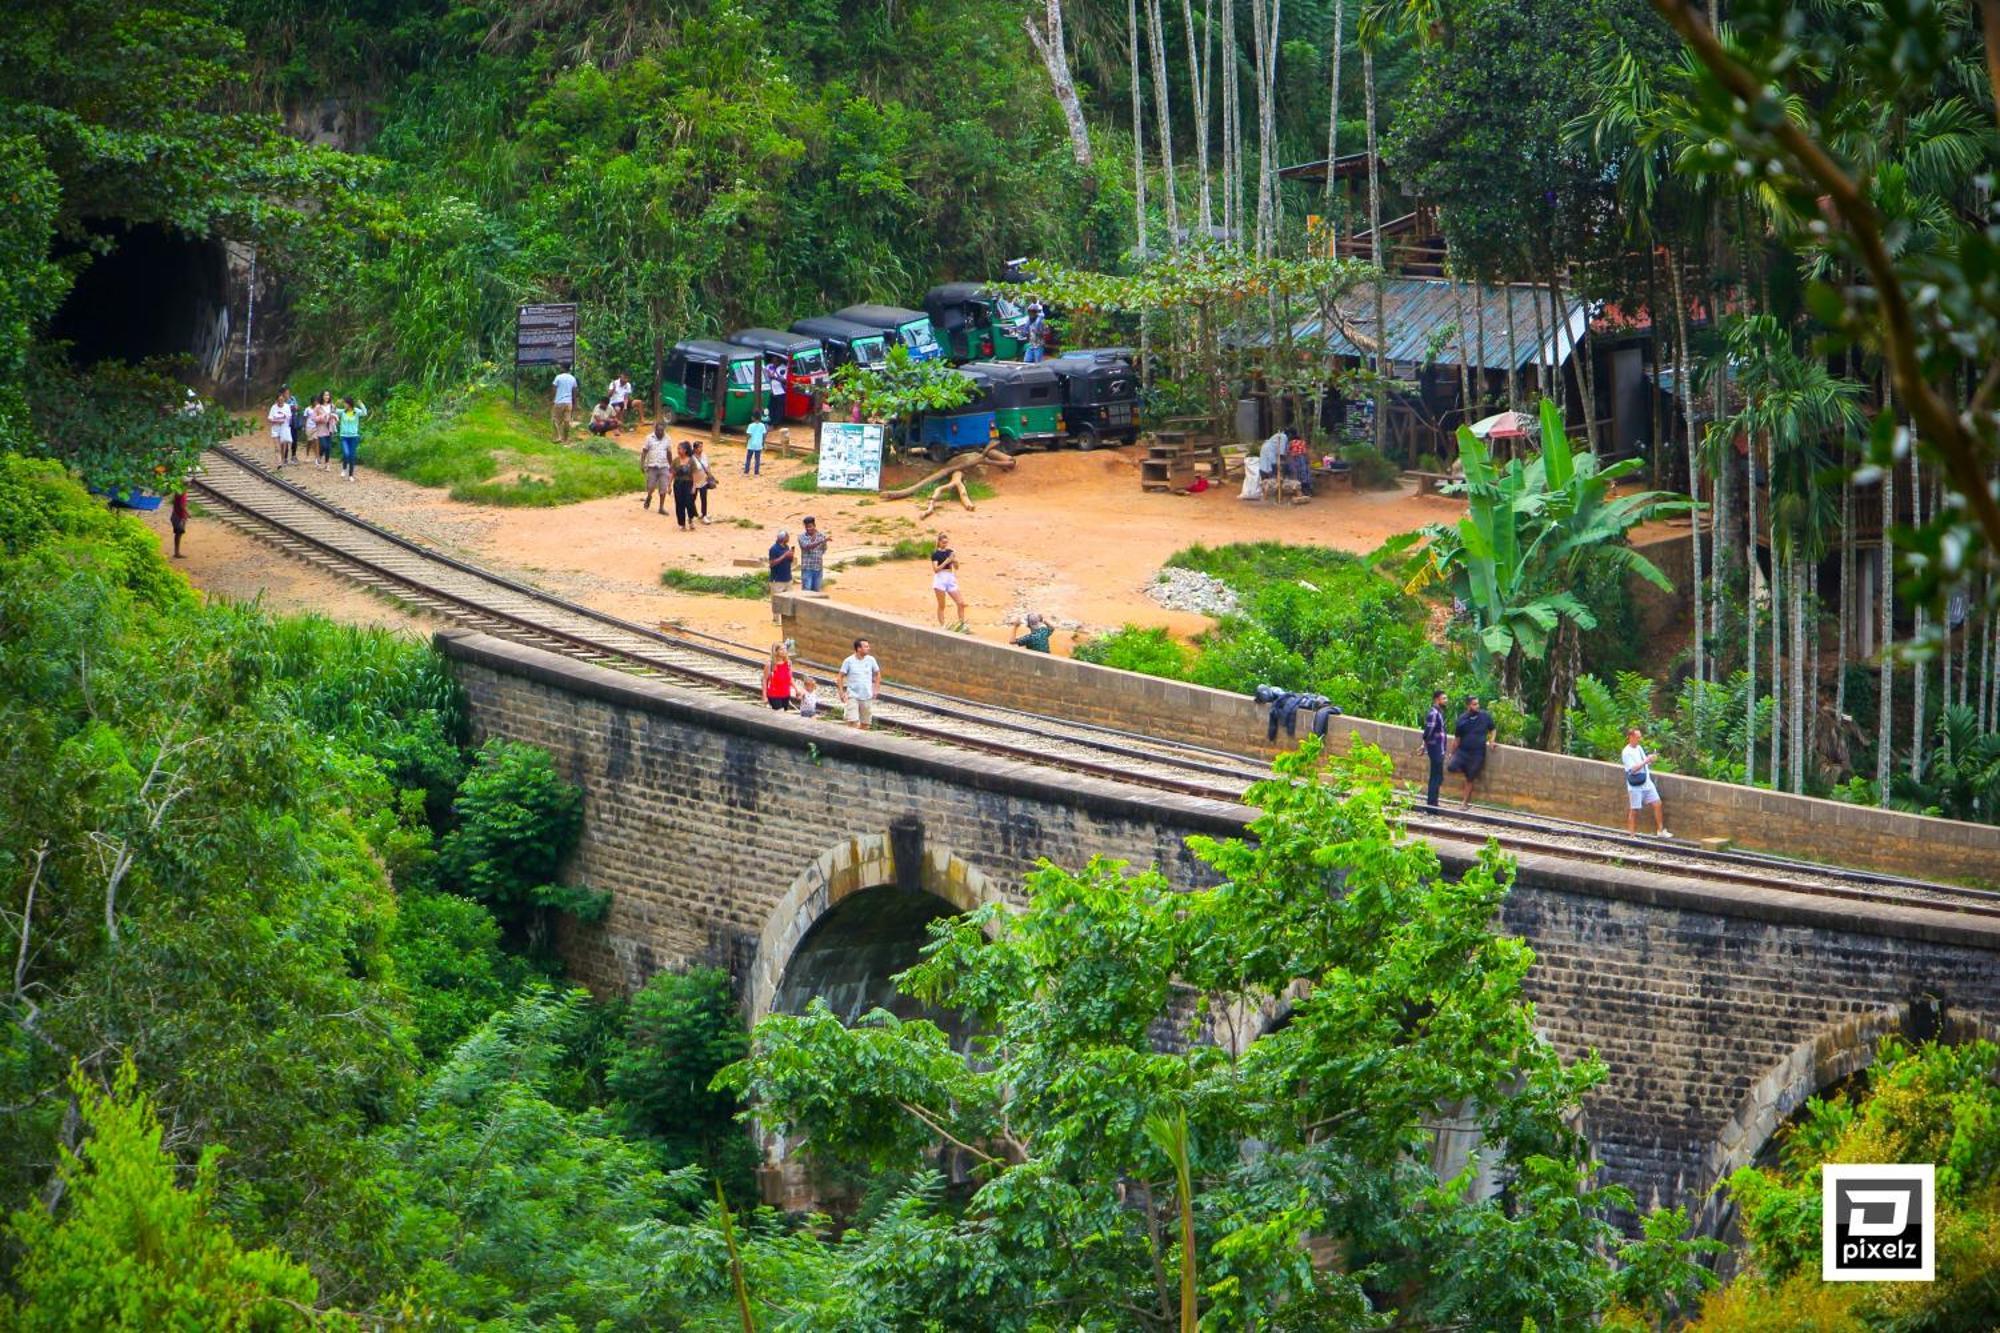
(1833, 832)
(706, 817)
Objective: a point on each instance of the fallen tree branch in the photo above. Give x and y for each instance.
(987, 456)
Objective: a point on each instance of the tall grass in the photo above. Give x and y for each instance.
(484, 451)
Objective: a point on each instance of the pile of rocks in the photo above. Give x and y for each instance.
(1189, 590)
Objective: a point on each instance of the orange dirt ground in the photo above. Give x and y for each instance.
(1068, 534)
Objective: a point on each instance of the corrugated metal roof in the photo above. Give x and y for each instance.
(1417, 309)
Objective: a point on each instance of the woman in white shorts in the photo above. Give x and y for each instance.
(944, 580)
(1640, 790)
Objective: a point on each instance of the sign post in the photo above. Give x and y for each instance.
(544, 335)
(850, 456)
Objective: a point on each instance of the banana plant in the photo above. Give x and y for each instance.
(1529, 528)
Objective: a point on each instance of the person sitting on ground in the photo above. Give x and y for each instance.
(1298, 464)
(602, 419)
(1639, 787)
(1037, 638)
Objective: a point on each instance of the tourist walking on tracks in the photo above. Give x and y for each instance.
(298, 424)
(280, 417)
(349, 423)
(1468, 756)
(812, 556)
(563, 409)
(944, 580)
(1639, 787)
(778, 679)
(322, 417)
(704, 478)
(860, 675)
(656, 460)
(683, 478)
(1434, 746)
(780, 559)
(753, 446)
(178, 519)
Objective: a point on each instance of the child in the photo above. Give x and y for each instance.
(808, 697)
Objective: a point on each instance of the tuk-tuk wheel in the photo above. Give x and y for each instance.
(939, 453)
(1086, 438)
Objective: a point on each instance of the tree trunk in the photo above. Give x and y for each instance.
(1464, 361)
(1138, 128)
(1920, 675)
(1564, 657)
(1264, 33)
(1479, 328)
(1513, 355)
(1842, 635)
(1885, 720)
(1375, 252)
(1579, 358)
(1656, 428)
(1163, 114)
(1542, 353)
(1816, 611)
(1778, 608)
(1232, 127)
(1989, 630)
(1750, 639)
(1333, 112)
(1049, 45)
(1198, 89)
(1693, 454)
(1796, 579)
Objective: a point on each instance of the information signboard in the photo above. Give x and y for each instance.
(545, 335)
(850, 456)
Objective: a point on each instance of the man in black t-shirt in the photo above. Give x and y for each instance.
(1468, 756)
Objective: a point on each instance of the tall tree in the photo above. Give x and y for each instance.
(1163, 113)
(1049, 44)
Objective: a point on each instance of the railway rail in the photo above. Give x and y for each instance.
(293, 518)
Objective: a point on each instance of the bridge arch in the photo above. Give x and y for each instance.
(888, 885)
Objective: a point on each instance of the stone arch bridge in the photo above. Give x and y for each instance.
(808, 859)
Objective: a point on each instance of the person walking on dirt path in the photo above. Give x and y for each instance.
(704, 479)
(563, 408)
(780, 558)
(348, 422)
(944, 580)
(753, 446)
(619, 395)
(1434, 745)
(178, 518)
(280, 417)
(778, 680)
(322, 419)
(656, 460)
(860, 676)
(683, 479)
(1468, 756)
(812, 556)
(1640, 790)
(298, 424)
(1036, 640)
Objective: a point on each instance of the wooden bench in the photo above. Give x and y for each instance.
(1432, 483)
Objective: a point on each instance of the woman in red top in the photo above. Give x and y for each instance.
(778, 679)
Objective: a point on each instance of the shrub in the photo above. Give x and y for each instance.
(1151, 652)
(681, 1029)
(1372, 471)
(518, 822)
(745, 586)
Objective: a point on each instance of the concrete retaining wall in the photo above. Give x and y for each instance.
(1530, 780)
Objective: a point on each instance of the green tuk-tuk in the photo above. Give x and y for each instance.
(696, 368)
(975, 323)
(911, 328)
(1100, 395)
(846, 342)
(1027, 402)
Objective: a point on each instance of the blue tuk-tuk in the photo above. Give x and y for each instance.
(970, 425)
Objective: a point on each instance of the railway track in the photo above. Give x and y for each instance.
(295, 519)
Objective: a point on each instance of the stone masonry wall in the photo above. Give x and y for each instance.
(1717, 1010)
(1530, 780)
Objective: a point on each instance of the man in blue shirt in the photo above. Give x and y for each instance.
(564, 407)
(781, 563)
(753, 445)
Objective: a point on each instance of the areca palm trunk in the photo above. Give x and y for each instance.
(1138, 128)
(1842, 636)
(1163, 114)
(1694, 457)
(1333, 107)
(1513, 357)
(1375, 251)
(1750, 632)
(1813, 637)
(1198, 64)
(1796, 577)
(1232, 126)
(1920, 675)
(1885, 718)
(1777, 591)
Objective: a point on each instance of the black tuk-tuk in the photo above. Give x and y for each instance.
(1100, 395)
(974, 323)
(845, 341)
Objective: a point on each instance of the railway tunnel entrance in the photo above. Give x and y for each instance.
(156, 292)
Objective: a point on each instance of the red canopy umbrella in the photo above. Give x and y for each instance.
(1505, 426)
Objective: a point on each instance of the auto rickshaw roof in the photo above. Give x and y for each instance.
(956, 293)
(982, 397)
(713, 351)
(1013, 372)
(835, 326)
(774, 340)
(879, 316)
(1097, 353)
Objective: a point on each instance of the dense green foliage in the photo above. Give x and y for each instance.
(1931, 1103)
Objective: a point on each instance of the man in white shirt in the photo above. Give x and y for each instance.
(565, 403)
(619, 396)
(1639, 788)
(860, 673)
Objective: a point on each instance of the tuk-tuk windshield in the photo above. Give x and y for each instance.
(744, 372)
(867, 351)
(810, 362)
(1006, 312)
(917, 336)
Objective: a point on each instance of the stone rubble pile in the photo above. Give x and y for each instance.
(1189, 590)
